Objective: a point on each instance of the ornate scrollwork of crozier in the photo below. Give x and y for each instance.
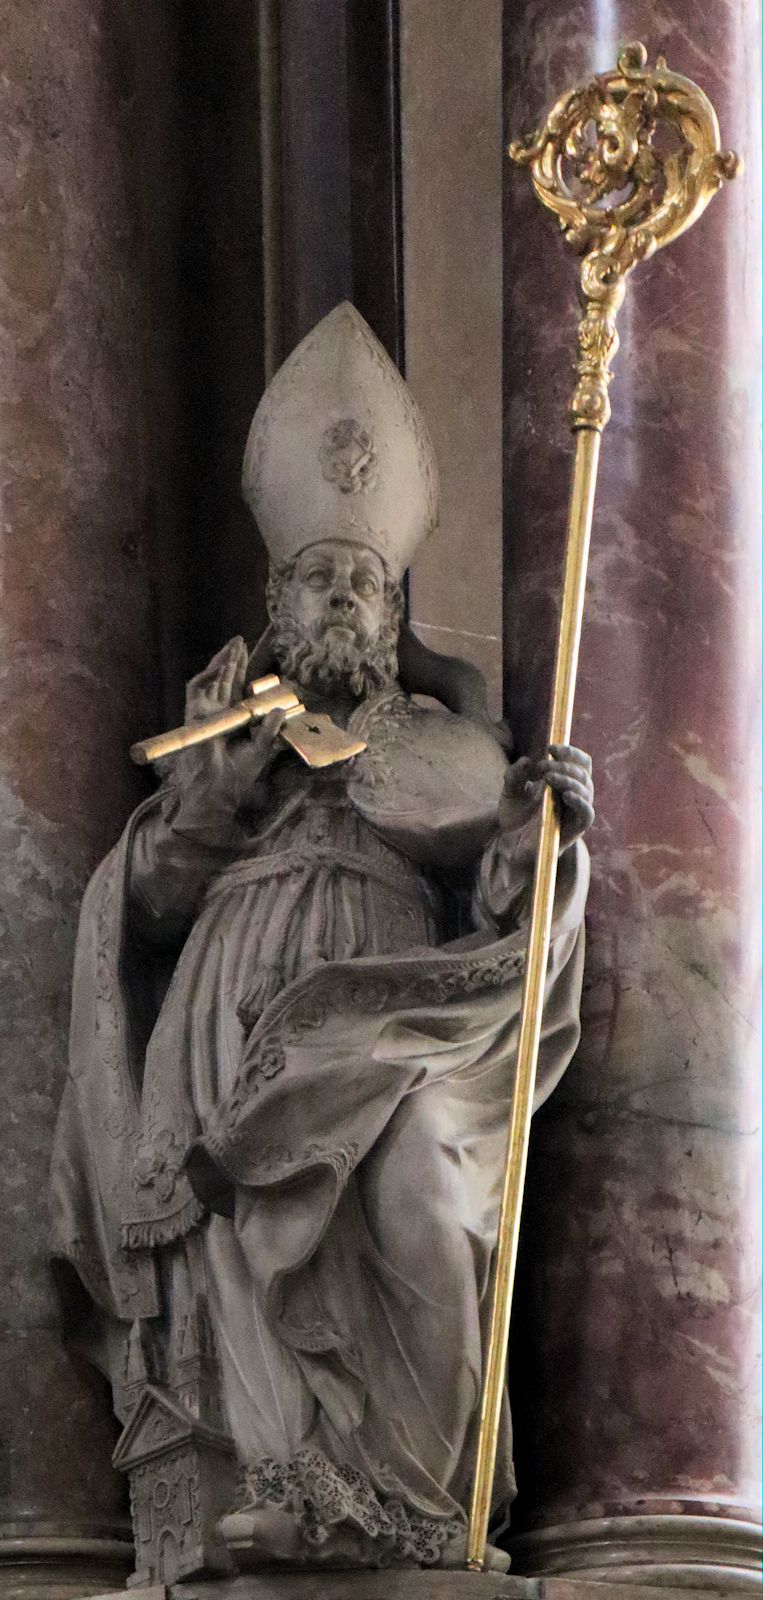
(626, 162)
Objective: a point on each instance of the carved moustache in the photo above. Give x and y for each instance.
(344, 621)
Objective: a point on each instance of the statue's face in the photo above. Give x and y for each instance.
(336, 616)
(337, 593)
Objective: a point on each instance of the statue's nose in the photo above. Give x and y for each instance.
(342, 598)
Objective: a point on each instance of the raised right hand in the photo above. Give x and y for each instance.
(222, 772)
(220, 684)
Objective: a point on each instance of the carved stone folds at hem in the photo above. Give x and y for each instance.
(664, 1550)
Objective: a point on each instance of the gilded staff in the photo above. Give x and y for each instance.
(618, 196)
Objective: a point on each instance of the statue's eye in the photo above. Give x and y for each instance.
(365, 586)
(317, 578)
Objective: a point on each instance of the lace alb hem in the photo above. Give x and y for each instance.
(321, 1495)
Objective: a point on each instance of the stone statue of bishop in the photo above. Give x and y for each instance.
(295, 1012)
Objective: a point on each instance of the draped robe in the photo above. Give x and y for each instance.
(322, 1101)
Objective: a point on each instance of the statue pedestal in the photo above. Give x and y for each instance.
(434, 1585)
(387, 1584)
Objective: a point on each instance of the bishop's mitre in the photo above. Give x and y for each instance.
(338, 449)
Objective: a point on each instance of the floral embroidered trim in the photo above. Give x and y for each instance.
(150, 1233)
(291, 1017)
(321, 1494)
(158, 1163)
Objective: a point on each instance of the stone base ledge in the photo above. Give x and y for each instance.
(400, 1585)
(51, 1566)
(661, 1555)
(662, 1550)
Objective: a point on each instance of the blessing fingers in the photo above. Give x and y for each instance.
(230, 683)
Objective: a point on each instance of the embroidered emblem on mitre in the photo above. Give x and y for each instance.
(338, 449)
(348, 457)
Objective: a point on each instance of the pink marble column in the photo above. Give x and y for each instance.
(88, 450)
(634, 1368)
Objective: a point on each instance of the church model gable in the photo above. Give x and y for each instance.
(181, 1475)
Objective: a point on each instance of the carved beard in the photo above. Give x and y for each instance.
(329, 664)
